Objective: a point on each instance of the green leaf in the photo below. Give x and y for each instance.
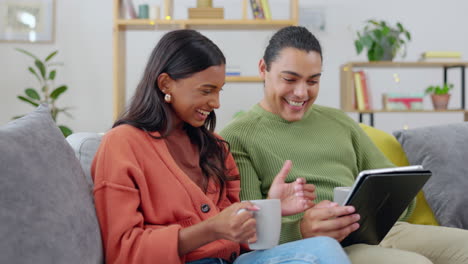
(52, 75)
(358, 46)
(392, 40)
(400, 27)
(377, 33)
(22, 98)
(41, 68)
(58, 91)
(51, 55)
(16, 117)
(367, 41)
(65, 131)
(27, 53)
(31, 69)
(32, 93)
(408, 35)
(429, 90)
(385, 30)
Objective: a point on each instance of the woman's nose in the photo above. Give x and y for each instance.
(214, 102)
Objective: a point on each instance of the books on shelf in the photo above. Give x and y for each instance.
(260, 9)
(441, 56)
(266, 9)
(233, 70)
(129, 9)
(362, 91)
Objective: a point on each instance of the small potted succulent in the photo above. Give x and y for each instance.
(381, 40)
(440, 95)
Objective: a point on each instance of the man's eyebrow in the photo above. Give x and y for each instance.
(298, 75)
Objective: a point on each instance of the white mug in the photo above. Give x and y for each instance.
(340, 194)
(268, 220)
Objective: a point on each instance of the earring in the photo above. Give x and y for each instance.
(167, 98)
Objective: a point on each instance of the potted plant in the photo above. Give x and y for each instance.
(440, 95)
(45, 72)
(382, 41)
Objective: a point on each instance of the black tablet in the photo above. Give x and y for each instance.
(380, 197)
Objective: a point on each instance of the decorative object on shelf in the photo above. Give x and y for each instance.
(403, 101)
(45, 72)
(204, 3)
(206, 12)
(444, 56)
(154, 12)
(143, 11)
(168, 9)
(382, 41)
(440, 95)
(27, 21)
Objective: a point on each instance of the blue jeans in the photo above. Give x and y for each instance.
(315, 250)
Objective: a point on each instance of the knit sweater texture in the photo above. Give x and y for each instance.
(143, 199)
(326, 147)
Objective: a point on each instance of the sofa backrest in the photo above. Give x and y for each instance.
(85, 145)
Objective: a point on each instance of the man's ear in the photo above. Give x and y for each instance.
(165, 83)
(262, 68)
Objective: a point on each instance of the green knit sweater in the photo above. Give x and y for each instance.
(326, 147)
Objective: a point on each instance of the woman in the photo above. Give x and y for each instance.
(166, 187)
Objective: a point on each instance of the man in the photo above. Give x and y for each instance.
(328, 149)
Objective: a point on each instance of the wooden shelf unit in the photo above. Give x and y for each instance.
(120, 26)
(347, 93)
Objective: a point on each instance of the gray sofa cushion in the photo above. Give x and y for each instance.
(444, 151)
(85, 145)
(47, 214)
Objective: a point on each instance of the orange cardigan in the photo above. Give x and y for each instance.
(143, 199)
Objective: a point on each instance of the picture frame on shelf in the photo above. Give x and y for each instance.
(30, 21)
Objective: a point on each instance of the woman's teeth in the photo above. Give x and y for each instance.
(203, 112)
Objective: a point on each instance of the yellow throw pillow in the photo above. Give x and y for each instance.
(392, 149)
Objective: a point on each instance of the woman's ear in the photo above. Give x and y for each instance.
(262, 68)
(165, 83)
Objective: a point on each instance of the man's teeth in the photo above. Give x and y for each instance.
(294, 103)
(203, 112)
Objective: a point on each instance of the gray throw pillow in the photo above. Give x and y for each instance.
(47, 213)
(85, 145)
(444, 151)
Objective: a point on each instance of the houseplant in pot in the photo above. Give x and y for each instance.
(45, 71)
(381, 40)
(440, 95)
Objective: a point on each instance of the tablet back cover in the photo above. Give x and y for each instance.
(380, 200)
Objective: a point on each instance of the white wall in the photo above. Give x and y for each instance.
(84, 39)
